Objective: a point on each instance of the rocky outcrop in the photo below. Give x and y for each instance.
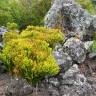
(75, 21)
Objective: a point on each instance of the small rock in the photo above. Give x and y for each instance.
(63, 60)
(92, 55)
(73, 83)
(87, 45)
(70, 75)
(54, 81)
(80, 79)
(75, 49)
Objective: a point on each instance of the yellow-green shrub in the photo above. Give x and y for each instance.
(9, 36)
(29, 54)
(43, 33)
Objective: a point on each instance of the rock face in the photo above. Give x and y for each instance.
(75, 20)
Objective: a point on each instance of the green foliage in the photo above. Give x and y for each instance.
(5, 15)
(29, 54)
(24, 12)
(87, 4)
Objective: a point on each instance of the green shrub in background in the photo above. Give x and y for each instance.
(87, 4)
(23, 12)
(5, 15)
(29, 54)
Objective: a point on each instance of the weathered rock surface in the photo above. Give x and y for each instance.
(4, 80)
(75, 48)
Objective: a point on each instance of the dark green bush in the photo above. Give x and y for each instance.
(5, 15)
(29, 54)
(23, 12)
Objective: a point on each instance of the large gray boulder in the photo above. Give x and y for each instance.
(75, 21)
(75, 49)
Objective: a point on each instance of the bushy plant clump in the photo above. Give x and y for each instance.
(29, 54)
(51, 36)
